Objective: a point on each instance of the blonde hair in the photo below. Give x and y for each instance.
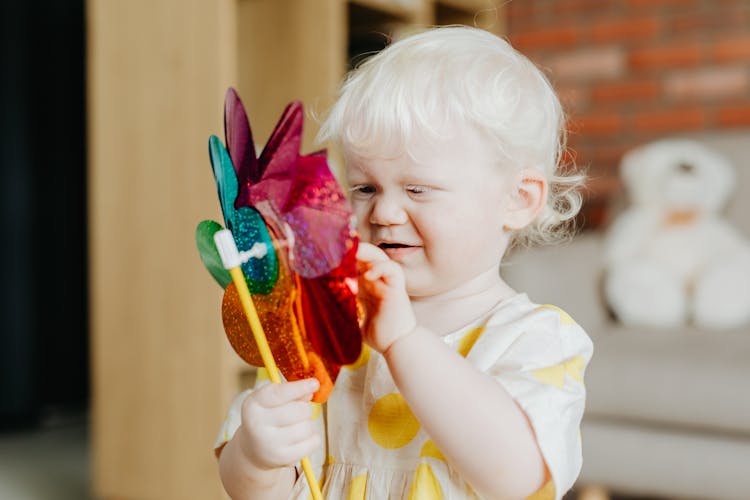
(457, 74)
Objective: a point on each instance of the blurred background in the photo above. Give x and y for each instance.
(114, 370)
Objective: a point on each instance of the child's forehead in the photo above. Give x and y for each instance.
(420, 145)
(422, 150)
(377, 164)
(429, 166)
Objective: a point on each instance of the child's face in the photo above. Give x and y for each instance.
(441, 216)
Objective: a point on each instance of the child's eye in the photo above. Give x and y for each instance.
(417, 190)
(363, 190)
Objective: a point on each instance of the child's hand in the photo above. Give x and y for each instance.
(382, 292)
(277, 429)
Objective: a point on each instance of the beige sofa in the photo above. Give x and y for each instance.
(668, 412)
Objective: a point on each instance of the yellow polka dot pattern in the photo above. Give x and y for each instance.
(431, 450)
(468, 340)
(364, 357)
(316, 410)
(357, 488)
(555, 375)
(565, 318)
(546, 492)
(425, 485)
(391, 423)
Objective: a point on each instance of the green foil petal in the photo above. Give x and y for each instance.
(204, 237)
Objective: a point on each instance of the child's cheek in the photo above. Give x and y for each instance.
(363, 230)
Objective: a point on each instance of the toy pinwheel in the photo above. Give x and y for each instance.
(289, 242)
(290, 219)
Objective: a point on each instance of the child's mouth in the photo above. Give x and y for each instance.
(397, 251)
(393, 245)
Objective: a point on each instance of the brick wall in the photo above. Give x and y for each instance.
(630, 71)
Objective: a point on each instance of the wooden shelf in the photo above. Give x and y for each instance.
(469, 6)
(406, 11)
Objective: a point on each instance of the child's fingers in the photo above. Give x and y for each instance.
(387, 272)
(287, 445)
(274, 395)
(367, 252)
(294, 452)
(374, 265)
(375, 272)
(292, 413)
(295, 433)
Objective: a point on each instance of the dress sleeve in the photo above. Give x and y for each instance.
(540, 358)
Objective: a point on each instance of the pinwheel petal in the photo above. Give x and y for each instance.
(329, 309)
(311, 202)
(248, 228)
(239, 139)
(287, 337)
(226, 178)
(282, 149)
(204, 237)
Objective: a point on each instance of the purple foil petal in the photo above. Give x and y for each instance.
(239, 139)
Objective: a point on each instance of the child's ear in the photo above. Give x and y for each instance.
(528, 194)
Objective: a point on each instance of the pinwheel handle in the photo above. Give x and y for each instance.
(232, 259)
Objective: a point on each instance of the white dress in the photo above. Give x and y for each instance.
(374, 447)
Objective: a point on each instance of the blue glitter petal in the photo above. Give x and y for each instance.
(248, 228)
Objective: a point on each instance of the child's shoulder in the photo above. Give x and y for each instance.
(520, 311)
(521, 329)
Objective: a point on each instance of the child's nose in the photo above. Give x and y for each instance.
(387, 211)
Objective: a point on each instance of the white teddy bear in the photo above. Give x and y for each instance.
(670, 257)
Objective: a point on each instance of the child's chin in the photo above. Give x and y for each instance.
(412, 290)
(419, 290)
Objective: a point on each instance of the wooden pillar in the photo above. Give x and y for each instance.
(157, 72)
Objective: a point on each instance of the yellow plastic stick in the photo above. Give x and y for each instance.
(265, 352)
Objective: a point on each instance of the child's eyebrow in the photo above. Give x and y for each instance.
(355, 171)
(356, 164)
(425, 173)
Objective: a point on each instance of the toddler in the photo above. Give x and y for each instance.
(465, 388)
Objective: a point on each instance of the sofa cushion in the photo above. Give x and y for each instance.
(684, 377)
(641, 461)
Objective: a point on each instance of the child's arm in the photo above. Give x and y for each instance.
(275, 433)
(471, 418)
